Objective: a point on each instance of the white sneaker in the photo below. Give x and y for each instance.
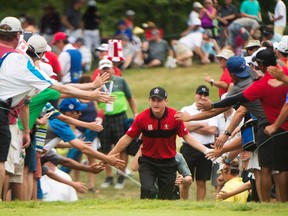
(128, 172)
(108, 182)
(120, 183)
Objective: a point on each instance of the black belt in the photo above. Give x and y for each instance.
(115, 115)
(160, 160)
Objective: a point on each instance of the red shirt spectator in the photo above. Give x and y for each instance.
(159, 136)
(55, 64)
(272, 99)
(227, 79)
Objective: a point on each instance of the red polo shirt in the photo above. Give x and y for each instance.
(272, 99)
(159, 135)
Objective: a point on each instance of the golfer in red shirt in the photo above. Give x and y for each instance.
(159, 129)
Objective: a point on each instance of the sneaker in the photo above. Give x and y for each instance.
(108, 182)
(120, 183)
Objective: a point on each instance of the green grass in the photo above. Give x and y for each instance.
(181, 84)
(132, 207)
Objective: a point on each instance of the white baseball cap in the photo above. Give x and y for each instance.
(197, 5)
(281, 46)
(105, 63)
(13, 22)
(103, 47)
(39, 43)
(225, 53)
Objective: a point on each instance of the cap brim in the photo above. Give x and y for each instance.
(105, 66)
(157, 96)
(244, 73)
(53, 42)
(101, 49)
(48, 48)
(221, 56)
(219, 171)
(202, 92)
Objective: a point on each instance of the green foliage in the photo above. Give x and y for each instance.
(171, 15)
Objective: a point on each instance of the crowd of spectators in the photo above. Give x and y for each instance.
(92, 114)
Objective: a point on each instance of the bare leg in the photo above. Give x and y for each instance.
(265, 183)
(30, 185)
(17, 189)
(25, 183)
(154, 63)
(201, 190)
(184, 189)
(185, 59)
(258, 185)
(91, 176)
(201, 54)
(35, 188)
(282, 182)
(2, 178)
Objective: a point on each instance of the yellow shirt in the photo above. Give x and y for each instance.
(232, 185)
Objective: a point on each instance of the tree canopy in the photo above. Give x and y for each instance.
(171, 15)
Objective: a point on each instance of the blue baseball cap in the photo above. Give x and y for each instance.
(237, 65)
(71, 104)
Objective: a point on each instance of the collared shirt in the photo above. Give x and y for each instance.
(204, 139)
(159, 135)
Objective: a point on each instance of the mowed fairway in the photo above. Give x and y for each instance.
(181, 84)
(140, 208)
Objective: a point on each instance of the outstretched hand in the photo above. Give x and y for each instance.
(276, 72)
(79, 186)
(101, 79)
(96, 168)
(184, 116)
(95, 126)
(101, 96)
(275, 83)
(204, 104)
(220, 141)
(115, 161)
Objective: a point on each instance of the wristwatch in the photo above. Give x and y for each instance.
(227, 133)
(212, 82)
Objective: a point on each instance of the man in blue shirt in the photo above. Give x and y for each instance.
(72, 107)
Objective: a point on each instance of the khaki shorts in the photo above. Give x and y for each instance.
(181, 49)
(17, 177)
(15, 149)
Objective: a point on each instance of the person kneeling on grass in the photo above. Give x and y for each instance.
(230, 180)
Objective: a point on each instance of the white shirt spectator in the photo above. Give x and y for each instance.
(204, 139)
(56, 191)
(192, 40)
(280, 10)
(65, 62)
